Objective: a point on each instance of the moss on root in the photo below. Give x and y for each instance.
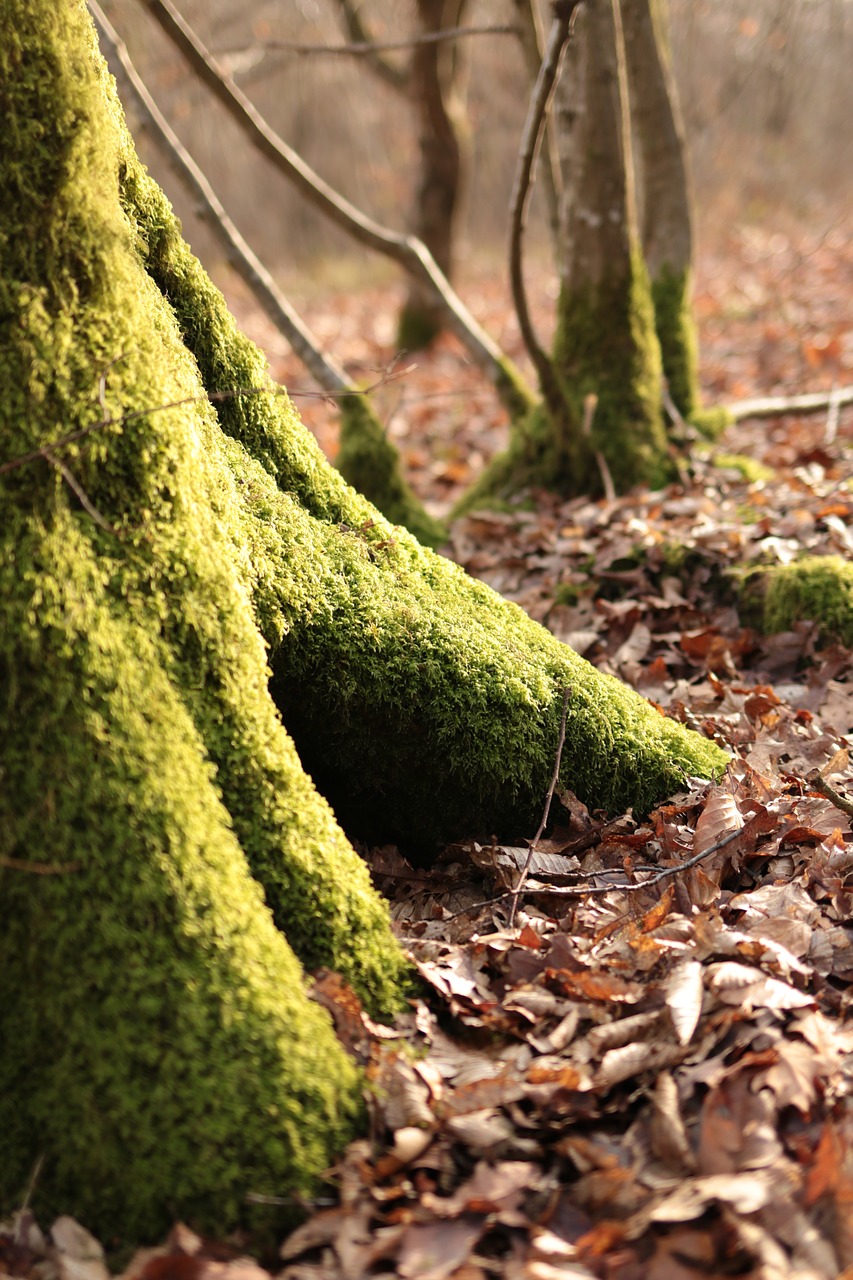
(605, 347)
(676, 330)
(158, 1052)
(157, 1048)
(371, 464)
(815, 589)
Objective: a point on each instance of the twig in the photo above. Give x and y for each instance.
(594, 890)
(39, 868)
(833, 414)
(531, 142)
(365, 48)
(567, 693)
(532, 39)
(818, 783)
(77, 489)
(590, 404)
(775, 406)
(407, 250)
(213, 396)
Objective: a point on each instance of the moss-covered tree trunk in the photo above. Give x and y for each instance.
(437, 88)
(176, 574)
(600, 419)
(666, 215)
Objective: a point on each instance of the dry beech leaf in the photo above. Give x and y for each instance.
(683, 994)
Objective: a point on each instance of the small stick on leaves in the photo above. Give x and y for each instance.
(549, 797)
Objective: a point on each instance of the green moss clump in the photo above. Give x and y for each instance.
(371, 464)
(605, 347)
(815, 589)
(750, 469)
(417, 327)
(711, 423)
(676, 330)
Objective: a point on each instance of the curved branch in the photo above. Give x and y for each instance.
(408, 251)
(324, 370)
(531, 142)
(532, 40)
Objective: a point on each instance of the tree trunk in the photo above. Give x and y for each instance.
(666, 216)
(438, 93)
(158, 1052)
(607, 427)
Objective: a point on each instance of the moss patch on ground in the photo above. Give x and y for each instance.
(815, 589)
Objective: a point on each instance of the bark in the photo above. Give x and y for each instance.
(666, 215)
(158, 1052)
(606, 351)
(437, 89)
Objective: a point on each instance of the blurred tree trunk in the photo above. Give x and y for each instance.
(666, 217)
(437, 88)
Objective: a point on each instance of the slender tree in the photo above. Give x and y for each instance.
(180, 569)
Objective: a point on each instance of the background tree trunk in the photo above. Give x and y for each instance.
(664, 186)
(437, 89)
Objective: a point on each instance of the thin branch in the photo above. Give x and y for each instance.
(396, 77)
(818, 783)
(365, 47)
(531, 142)
(212, 396)
(78, 490)
(327, 373)
(522, 879)
(532, 39)
(407, 250)
(600, 890)
(775, 406)
(39, 868)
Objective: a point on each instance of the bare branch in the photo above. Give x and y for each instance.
(407, 250)
(327, 373)
(775, 406)
(364, 47)
(396, 77)
(532, 39)
(531, 142)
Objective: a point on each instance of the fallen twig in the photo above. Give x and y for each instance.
(775, 406)
(818, 783)
(39, 868)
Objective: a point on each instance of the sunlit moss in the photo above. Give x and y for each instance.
(816, 589)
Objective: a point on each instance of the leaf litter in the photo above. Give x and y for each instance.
(648, 1077)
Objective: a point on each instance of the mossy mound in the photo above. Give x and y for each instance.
(815, 589)
(371, 464)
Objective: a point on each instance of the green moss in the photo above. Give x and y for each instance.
(157, 1049)
(417, 327)
(605, 347)
(371, 464)
(158, 1053)
(711, 423)
(748, 468)
(676, 330)
(815, 589)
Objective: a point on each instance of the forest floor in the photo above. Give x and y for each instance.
(649, 1076)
